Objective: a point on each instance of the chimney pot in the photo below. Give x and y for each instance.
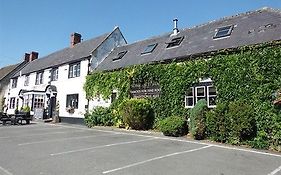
(33, 56)
(26, 57)
(175, 30)
(75, 38)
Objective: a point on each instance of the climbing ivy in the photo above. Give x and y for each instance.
(251, 73)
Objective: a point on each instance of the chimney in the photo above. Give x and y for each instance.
(33, 56)
(75, 38)
(175, 30)
(26, 57)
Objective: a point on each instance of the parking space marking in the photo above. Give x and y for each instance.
(64, 139)
(155, 158)
(101, 146)
(6, 172)
(275, 171)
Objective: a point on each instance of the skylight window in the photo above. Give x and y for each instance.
(223, 32)
(175, 42)
(149, 48)
(120, 55)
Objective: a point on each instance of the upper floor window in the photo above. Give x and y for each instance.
(74, 70)
(26, 80)
(39, 78)
(175, 42)
(72, 101)
(54, 74)
(120, 55)
(14, 82)
(223, 32)
(149, 48)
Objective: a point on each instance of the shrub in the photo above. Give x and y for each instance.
(242, 121)
(173, 126)
(217, 123)
(261, 141)
(197, 119)
(137, 113)
(100, 116)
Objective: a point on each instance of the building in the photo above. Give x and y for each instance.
(55, 82)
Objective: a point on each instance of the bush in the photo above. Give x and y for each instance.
(217, 123)
(173, 126)
(242, 121)
(100, 116)
(198, 119)
(137, 113)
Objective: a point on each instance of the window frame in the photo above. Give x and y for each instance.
(74, 105)
(14, 83)
(187, 97)
(54, 74)
(209, 96)
(74, 70)
(39, 78)
(26, 80)
(12, 103)
(174, 42)
(38, 101)
(120, 55)
(149, 48)
(221, 29)
(196, 90)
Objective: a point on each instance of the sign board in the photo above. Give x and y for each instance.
(143, 91)
(38, 113)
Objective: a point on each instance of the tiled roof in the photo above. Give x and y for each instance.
(4, 71)
(67, 55)
(250, 28)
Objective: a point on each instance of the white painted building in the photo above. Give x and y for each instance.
(57, 80)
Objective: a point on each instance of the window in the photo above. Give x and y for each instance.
(54, 74)
(39, 78)
(14, 82)
(26, 80)
(223, 32)
(38, 101)
(189, 98)
(74, 70)
(12, 103)
(200, 93)
(119, 55)
(211, 96)
(27, 100)
(149, 48)
(72, 101)
(175, 42)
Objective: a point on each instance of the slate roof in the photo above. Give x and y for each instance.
(250, 28)
(4, 71)
(78, 52)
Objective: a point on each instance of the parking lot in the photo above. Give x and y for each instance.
(64, 149)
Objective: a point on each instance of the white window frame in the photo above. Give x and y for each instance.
(196, 96)
(208, 97)
(26, 80)
(186, 97)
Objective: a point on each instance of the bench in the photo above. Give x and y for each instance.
(4, 118)
(19, 117)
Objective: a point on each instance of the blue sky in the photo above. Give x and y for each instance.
(45, 25)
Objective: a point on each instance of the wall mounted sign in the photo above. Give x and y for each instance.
(144, 91)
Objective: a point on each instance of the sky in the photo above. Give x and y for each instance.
(45, 25)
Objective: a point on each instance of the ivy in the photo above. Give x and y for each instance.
(250, 73)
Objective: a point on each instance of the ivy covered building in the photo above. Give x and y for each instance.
(236, 58)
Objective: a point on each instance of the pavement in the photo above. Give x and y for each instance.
(62, 149)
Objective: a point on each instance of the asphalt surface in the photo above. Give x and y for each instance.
(63, 149)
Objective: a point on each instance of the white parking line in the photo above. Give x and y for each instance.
(6, 172)
(155, 158)
(275, 171)
(186, 141)
(64, 139)
(101, 146)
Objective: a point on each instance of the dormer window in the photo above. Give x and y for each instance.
(223, 32)
(175, 42)
(120, 55)
(149, 48)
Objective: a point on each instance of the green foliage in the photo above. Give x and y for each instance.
(198, 119)
(26, 109)
(100, 116)
(250, 73)
(217, 123)
(137, 113)
(173, 126)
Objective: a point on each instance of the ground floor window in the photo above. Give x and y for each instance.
(72, 101)
(202, 90)
(39, 101)
(27, 100)
(12, 103)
